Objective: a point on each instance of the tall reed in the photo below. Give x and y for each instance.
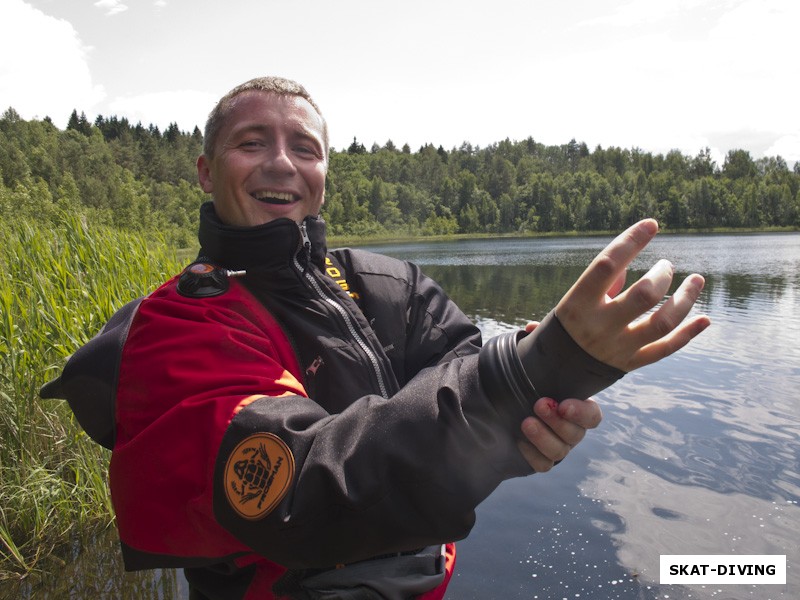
(58, 285)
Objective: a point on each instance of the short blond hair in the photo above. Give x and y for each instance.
(275, 85)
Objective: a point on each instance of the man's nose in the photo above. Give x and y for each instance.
(278, 159)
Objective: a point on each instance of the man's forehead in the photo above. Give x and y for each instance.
(247, 104)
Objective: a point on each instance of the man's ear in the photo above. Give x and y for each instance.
(204, 174)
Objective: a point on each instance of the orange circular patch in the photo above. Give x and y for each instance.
(258, 474)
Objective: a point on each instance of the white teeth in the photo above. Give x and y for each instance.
(283, 196)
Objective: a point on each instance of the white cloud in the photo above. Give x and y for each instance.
(787, 147)
(187, 108)
(636, 13)
(754, 73)
(112, 7)
(44, 71)
(682, 74)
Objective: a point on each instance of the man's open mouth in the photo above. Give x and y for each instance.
(274, 197)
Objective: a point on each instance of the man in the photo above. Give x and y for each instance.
(291, 422)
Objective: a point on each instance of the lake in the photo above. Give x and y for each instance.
(697, 454)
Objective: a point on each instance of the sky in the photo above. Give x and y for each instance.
(657, 75)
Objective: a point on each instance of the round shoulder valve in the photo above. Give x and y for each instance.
(203, 280)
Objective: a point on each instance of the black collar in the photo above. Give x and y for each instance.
(270, 245)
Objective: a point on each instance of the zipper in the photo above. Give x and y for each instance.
(334, 303)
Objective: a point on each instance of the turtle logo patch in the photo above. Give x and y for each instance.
(258, 474)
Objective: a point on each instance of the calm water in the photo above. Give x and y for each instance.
(697, 454)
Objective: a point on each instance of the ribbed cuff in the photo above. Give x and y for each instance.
(516, 369)
(503, 379)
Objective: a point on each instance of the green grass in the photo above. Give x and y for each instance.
(59, 285)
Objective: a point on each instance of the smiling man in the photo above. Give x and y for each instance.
(292, 422)
(266, 159)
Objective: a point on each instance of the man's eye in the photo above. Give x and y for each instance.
(306, 150)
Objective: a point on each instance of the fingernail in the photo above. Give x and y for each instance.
(651, 225)
(662, 266)
(700, 281)
(548, 406)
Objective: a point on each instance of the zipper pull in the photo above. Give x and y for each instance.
(306, 246)
(314, 366)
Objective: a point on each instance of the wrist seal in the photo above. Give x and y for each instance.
(516, 369)
(504, 380)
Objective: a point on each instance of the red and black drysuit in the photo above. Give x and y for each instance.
(342, 388)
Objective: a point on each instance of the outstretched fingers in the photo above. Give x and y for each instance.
(670, 344)
(604, 273)
(664, 332)
(608, 322)
(670, 314)
(644, 294)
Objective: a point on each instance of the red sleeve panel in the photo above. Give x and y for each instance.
(172, 415)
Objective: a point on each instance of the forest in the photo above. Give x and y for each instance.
(140, 178)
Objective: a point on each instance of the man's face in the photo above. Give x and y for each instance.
(269, 161)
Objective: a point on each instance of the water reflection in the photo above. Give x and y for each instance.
(675, 517)
(698, 454)
(91, 567)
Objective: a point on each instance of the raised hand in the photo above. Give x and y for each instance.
(607, 323)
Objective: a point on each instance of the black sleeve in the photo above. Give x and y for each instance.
(385, 475)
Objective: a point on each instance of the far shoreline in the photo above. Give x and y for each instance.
(392, 238)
